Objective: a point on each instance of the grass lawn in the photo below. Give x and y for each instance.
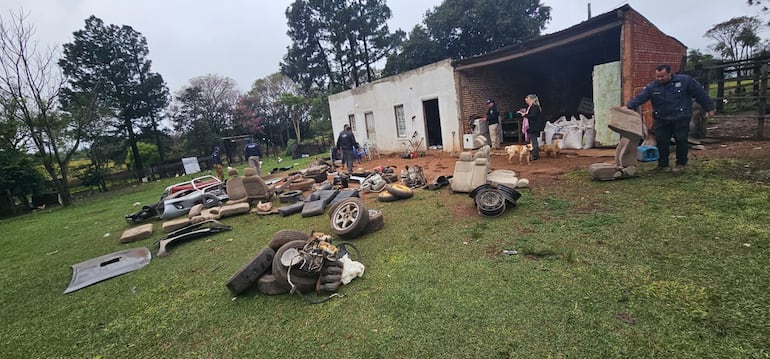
(663, 265)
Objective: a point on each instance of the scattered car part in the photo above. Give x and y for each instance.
(376, 221)
(313, 208)
(490, 202)
(290, 196)
(286, 235)
(302, 280)
(511, 194)
(386, 196)
(251, 271)
(267, 284)
(137, 233)
(350, 218)
(291, 209)
(192, 231)
(107, 266)
(399, 190)
(142, 215)
(301, 184)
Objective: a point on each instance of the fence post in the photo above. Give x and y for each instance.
(762, 101)
(720, 88)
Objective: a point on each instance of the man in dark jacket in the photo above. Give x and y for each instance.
(253, 154)
(671, 96)
(346, 143)
(216, 162)
(493, 121)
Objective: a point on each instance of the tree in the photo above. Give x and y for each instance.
(418, 50)
(298, 109)
(336, 42)
(466, 28)
(762, 5)
(735, 38)
(280, 108)
(695, 58)
(18, 178)
(30, 85)
(205, 110)
(111, 79)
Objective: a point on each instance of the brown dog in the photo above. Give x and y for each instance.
(522, 150)
(551, 149)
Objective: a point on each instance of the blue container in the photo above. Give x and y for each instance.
(647, 153)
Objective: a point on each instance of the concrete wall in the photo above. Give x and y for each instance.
(410, 89)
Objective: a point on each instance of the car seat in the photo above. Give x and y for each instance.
(630, 126)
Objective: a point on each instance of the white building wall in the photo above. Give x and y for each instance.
(410, 89)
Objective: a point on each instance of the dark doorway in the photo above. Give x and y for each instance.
(432, 122)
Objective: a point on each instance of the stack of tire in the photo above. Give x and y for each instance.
(269, 271)
(492, 201)
(395, 192)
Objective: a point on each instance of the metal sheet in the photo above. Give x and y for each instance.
(607, 94)
(107, 266)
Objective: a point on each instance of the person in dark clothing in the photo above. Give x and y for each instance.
(253, 155)
(493, 122)
(216, 161)
(533, 124)
(671, 96)
(346, 144)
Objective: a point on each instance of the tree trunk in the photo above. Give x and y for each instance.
(138, 168)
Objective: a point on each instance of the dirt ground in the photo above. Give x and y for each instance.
(546, 171)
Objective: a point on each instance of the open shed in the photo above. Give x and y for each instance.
(587, 68)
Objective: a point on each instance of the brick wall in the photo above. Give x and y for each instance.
(477, 85)
(646, 47)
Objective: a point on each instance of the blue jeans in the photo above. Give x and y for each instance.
(533, 139)
(664, 130)
(348, 158)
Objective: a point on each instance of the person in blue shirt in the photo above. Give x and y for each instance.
(253, 155)
(671, 97)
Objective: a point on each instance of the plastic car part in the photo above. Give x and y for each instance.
(192, 231)
(107, 266)
(251, 271)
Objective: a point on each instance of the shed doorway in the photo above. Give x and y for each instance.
(432, 123)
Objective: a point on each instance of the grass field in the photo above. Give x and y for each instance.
(658, 266)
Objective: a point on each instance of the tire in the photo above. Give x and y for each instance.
(399, 190)
(390, 177)
(386, 196)
(304, 284)
(350, 218)
(301, 184)
(490, 202)
(250, 272)
(267, 284)
(331, 278)
(320, 177)
(290, 196)
(376, 221)
(285, 236)
(329, 287)
(334, 205)
(331, 271)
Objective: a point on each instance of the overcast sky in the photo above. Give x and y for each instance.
(246, 39)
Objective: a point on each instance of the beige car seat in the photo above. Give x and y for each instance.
(471, 170)
(630, 126)
(255, 187)
(236, 192)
